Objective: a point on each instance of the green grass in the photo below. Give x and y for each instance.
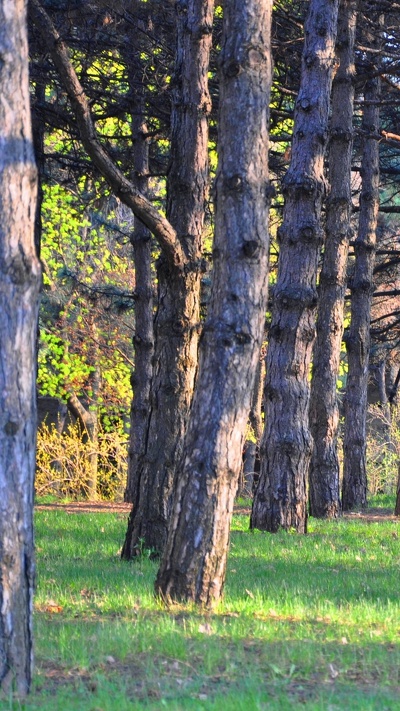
(309, 622)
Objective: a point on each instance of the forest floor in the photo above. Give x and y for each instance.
(372, 514)
(307, 622)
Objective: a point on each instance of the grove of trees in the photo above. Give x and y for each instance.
(217, 183)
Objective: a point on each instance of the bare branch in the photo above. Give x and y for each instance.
(121, 186)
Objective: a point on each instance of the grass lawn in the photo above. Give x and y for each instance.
(307, 622)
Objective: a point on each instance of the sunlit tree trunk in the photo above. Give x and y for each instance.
(19, 287)
(194, 561)
(281, 498)
(177, 320)
(354, 493)
(324, 487)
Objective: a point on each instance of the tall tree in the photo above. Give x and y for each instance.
(143, 339)
(354, 493)
(194, 561)
(177, 319)
(19, 288)
(281, 499)
(324, 489)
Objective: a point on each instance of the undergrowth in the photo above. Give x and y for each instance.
(63, 463)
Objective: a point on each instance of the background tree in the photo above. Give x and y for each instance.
(280, 499)
(357, 339)
(19, 288)
(177, 319)
(324, 488)
(84, 354)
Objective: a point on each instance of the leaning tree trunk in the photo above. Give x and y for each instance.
(177, 319)
(194, 561)
(281, 499)
(324, 487)
(19, 289)
(354, 493)
(89, 430)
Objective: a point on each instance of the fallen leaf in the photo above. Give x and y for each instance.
(250, 594)
(205, 629)
(333, 672)
(52, 607)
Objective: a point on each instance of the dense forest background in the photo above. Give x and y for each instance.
(102, 282)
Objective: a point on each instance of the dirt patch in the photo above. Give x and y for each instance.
(372, 515)
(77, 507)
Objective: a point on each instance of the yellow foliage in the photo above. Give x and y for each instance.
(63, 466)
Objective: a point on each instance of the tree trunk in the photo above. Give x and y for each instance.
(177, 320)
(143, 340)
(19, 289)
(281, 499)
(354, 494)
(397, 506)
(194, 561)
(88, 419)
(324, 487)
(251, 456)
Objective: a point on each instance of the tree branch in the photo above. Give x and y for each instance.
(120, 185)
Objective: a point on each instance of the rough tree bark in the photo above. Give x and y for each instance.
(194, 561)
(324, 486)
(354, 492)
(143, 339)
(177, 319)
(19, 289)
(280, 499)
